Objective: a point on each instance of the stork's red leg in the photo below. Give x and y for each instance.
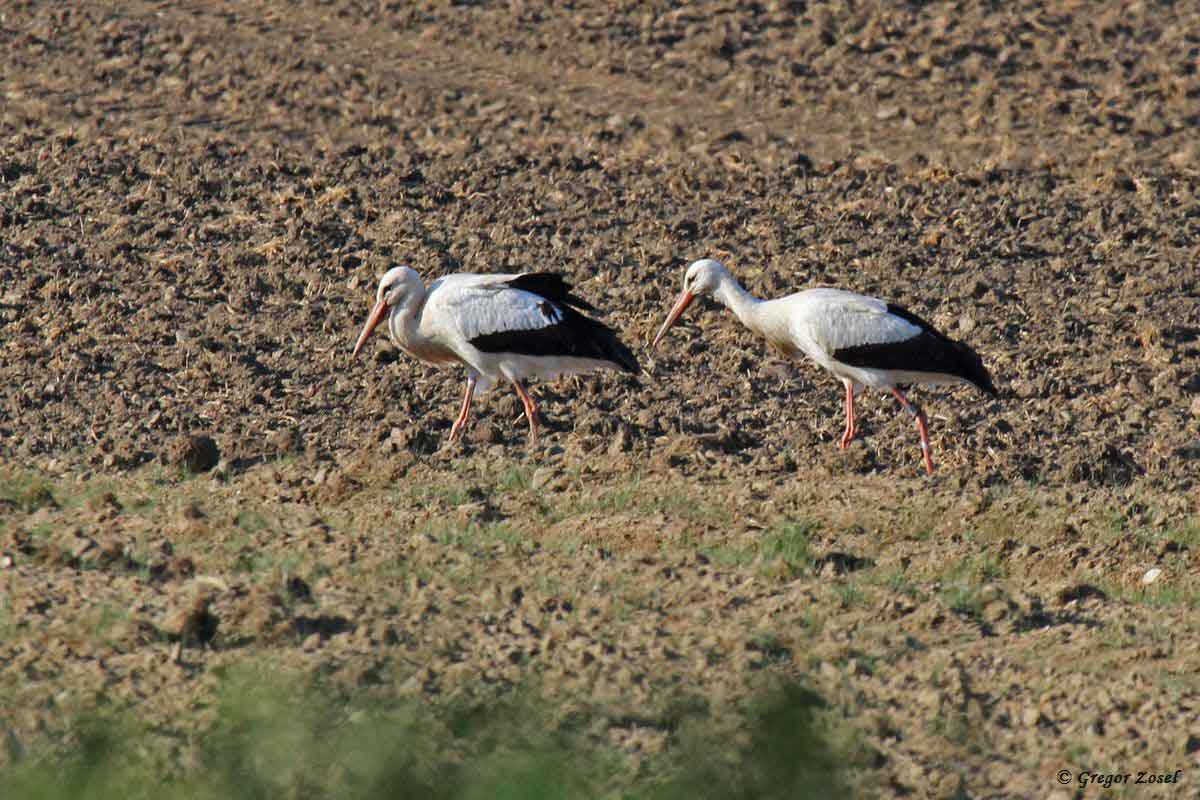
(531, 412)
(456, 430)
(921, 426)
(851, 424)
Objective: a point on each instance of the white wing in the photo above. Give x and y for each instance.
(836, 320)
(469, 306)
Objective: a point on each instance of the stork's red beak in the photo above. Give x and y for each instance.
(377, 314)
(685, 300)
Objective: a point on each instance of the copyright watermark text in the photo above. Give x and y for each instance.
(1109, 779)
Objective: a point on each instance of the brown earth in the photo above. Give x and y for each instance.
(197, 199)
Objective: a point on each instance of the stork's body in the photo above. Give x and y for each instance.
(864, 341)
(499, 327)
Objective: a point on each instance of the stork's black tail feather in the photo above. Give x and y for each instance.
(972, 368)
(617, 352)
(591, 338)
(953, 357)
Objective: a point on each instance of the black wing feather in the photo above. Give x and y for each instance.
(928, 351)
(566, 333)
(550, 285)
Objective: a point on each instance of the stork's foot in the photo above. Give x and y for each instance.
(851, 422)
(922, 427)
(464, 414)
(535, 427)
(848, 437)
(530, 413)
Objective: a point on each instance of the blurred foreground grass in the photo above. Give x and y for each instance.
(277, 738)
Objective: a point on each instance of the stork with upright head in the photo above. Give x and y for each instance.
(862, 340)
(500, 327)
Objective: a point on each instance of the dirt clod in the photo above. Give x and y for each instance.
(193, 623)
(195, 454)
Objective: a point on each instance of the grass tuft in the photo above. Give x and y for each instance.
(273, 738)
(786, 550)
(786, 755)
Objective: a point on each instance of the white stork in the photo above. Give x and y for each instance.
(862, 340)
(500, 327)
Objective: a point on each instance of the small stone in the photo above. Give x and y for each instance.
(995, 612)
(483, 433)
(80, 545)
(857, 668)
(620, 442)
(1151, 576)
(221, 471)
(284, 441)
(542, 477)
(106, 502)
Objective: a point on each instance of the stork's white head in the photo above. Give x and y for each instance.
(398, 288)
(397, 285)
(702, 278)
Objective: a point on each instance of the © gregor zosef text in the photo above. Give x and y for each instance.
(1110, 779)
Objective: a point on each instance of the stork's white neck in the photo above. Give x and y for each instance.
(744, 305)
(404, 322)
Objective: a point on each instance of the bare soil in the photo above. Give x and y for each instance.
(196, 201)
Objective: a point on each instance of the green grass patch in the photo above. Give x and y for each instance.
(787, 545)
(850, 595)
(1187, 533)
(26, 491)
(782, 551)
(730, 555)
(636, 496)
(1173, 590)
(8, 620)
(252, 521)
(963, 581)
(897, 580)
(280, 738)
(476, 537)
